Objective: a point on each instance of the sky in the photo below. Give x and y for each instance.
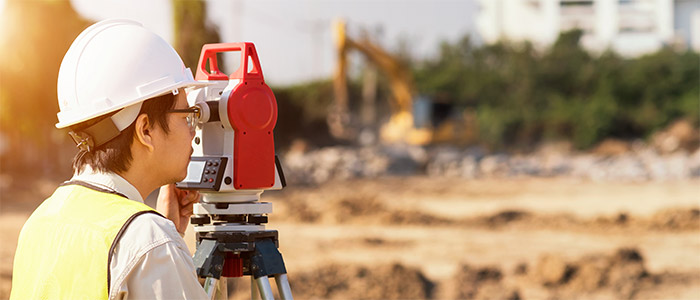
(294, 37)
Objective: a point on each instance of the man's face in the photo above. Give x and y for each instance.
(173, 150)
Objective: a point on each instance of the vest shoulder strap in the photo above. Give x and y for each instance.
(116, 241)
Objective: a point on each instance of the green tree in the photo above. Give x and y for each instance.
(523, 96)
(192, 30)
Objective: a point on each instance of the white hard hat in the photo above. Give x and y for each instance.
(117, 64)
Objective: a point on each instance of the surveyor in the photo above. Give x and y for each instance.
(121, 93)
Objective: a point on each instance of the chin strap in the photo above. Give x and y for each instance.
(95, 135)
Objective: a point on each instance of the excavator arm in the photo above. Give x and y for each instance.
(400, 127)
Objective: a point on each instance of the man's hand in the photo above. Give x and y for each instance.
(176, 205)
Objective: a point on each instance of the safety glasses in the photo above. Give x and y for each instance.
(192, 116)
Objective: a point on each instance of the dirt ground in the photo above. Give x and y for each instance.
(441, 238)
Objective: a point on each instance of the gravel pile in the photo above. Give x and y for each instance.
(640, 163)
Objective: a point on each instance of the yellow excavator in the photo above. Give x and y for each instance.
(400, 128)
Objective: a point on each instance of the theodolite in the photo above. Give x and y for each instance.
(233, 163)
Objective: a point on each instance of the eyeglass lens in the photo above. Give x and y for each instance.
(191, 120)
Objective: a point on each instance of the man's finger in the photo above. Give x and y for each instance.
(186, 211)
(191, 197)
(183, 198)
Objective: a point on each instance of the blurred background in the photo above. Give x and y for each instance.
(475, 149)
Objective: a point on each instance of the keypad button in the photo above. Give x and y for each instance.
(211, 179)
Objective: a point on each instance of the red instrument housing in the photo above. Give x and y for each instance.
(252, 113)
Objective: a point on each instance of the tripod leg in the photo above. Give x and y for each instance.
(263, 284)
(216, 288)
(210, 287)
(254, 292)
(222, 288)
(283, 287)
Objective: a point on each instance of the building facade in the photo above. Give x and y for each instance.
(630, 27)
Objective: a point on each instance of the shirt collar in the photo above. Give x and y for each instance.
(109, 180)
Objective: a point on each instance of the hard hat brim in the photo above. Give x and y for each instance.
(187, 85)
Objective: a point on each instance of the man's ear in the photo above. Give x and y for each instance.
(143, 132)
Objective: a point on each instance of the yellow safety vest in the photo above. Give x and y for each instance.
(65, 248)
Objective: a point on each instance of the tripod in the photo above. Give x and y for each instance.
(232, 242)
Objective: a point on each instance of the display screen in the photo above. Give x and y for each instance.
(194, 171)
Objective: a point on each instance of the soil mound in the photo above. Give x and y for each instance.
(678, 135)
(358, 206)
(412, 217)
(505, 217)
(352, 282)
(363, 208)
(623, 273)
(368, 208)
(610, 147)
(677, 219)
(482, 283)
(299, 210)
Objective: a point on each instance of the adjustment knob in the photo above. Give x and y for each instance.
(257, 219)
(200, 220)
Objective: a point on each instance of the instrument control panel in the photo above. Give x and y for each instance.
(204, 173)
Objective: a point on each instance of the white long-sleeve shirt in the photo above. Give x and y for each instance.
(151, 260)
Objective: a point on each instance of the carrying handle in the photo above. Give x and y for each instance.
(208, 55)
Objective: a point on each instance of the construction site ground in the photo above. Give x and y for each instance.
(421, 237)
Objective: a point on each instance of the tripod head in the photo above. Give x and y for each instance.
(234, 154)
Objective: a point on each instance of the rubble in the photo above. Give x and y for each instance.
(641, 162)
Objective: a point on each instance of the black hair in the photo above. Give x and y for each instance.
(115, 155)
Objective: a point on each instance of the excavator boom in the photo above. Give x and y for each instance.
(400, 127)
